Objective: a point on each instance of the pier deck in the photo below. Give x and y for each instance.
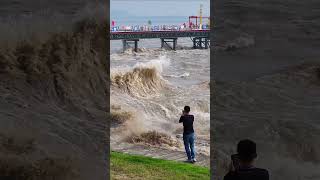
(200, 38)
(158, 34)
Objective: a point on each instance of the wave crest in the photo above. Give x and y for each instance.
(141, 81)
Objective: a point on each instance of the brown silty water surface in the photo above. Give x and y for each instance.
(153, 86)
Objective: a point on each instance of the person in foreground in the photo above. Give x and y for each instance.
(188, 133)
(241, 167)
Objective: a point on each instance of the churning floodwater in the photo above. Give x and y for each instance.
(155, 84)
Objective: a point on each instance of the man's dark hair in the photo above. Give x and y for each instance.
(247, 150)
(187, 109)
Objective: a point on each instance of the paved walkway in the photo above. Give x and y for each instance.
(160, 153)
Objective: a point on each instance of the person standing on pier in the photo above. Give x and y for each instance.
(188, 133)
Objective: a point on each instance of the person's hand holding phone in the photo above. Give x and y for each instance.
(235, 164)
(231, 167)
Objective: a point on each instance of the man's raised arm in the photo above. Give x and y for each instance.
(181, 119)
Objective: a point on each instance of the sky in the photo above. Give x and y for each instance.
(125, 8)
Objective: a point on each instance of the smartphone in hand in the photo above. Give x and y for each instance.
(235, 161)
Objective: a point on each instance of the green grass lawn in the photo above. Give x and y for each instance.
(125, 166)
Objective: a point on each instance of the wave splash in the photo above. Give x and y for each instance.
(143, 80)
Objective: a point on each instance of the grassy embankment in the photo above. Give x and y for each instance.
(125, 166)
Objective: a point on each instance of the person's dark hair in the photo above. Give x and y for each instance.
(247, 150)
(186, 109)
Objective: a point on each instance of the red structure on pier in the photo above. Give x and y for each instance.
(196, 18)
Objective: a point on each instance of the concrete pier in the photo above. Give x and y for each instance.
(200, 38)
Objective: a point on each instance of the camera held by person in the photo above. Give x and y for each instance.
(242, 164)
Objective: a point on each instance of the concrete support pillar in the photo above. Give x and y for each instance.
(206, 43)
(201, 42)
(174, 42)
(126, 44)
(162, 42)
(136, 45)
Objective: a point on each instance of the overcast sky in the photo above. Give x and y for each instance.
(158, 7)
